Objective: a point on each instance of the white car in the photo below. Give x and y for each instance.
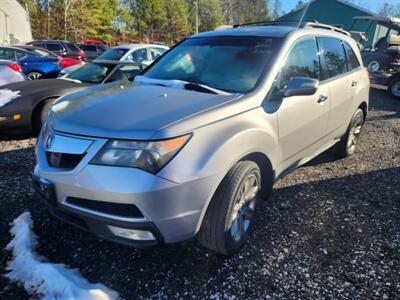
(10, 72)
(143, 54)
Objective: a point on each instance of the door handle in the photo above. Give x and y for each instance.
(322, 98)
(354, 83)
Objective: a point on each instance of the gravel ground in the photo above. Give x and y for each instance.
(331, 230)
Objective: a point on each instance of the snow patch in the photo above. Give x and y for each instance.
(6, 95)
(44, 279)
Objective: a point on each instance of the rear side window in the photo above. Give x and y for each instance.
(113, 54)
(54, 47)
(73, 47)
(302, 61)
(352, 60)
(334, 57)
(89, 48)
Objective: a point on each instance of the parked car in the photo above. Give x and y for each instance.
(10, 72)
(31, 99)
(144, 54)
(94, 42)
(65, 62)
(194, 144)
(92, 51)
(61, 48)
(384, 51)
(32, 65)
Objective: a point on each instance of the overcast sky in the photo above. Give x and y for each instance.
(372, 5)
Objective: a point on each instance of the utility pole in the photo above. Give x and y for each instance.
(197, 16)
(48, 19)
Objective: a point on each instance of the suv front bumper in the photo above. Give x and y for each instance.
(170, 211)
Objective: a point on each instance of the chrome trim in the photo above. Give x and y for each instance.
(109, 216)
(64, 144)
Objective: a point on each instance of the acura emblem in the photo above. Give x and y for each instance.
(49, 141)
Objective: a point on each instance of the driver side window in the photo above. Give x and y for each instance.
(302, 61)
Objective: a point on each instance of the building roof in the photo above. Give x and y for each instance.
(303, 6)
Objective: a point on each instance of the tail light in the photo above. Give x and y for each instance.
(15, 67)
(81, 53)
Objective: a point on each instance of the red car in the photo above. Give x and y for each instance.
(65, 62)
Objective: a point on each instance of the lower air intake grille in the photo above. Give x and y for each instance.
(117, 209)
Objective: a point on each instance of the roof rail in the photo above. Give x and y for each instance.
(301, 24)
(272, 23)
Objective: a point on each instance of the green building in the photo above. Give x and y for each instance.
(341, 13)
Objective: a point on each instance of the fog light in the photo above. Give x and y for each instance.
(132, 234)
(16, 117)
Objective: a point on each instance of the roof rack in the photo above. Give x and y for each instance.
(301, 24)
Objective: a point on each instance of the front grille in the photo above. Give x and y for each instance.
(63, 160)
(117, 209)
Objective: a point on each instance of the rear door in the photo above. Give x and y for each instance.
(302, 120)
(341, 82)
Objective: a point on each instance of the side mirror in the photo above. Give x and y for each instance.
(301, 86)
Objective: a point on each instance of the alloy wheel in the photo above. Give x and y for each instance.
(244, 207)
(35, 75)
(355, 131)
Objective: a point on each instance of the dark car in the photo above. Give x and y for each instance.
(33, 65)
(61, 48)
(27, 108)
(92, 51)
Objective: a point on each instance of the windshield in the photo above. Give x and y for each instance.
(228, 63)
(91, 73)
(113, 54)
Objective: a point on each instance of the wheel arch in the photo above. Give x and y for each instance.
(38, 106)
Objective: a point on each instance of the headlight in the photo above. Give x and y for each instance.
(150, 156)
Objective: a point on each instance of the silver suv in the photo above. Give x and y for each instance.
(192, 145)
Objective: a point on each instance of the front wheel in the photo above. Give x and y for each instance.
(230, 215)
(347, 145)
(394, 87)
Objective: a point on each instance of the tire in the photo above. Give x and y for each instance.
(394, 87)
(35, 75)
(347, 144)
(40, 115)
(229, 218)
(374, 65)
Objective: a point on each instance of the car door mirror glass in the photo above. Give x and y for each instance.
(301, 86)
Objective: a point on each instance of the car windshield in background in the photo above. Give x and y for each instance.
(228, 63)
(91, 73)
(73, 47)
(113, 54)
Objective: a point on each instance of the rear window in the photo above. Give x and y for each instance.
(113, 54)
(334, 57)
(73, 47)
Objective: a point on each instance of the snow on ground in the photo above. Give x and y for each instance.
(44, 279)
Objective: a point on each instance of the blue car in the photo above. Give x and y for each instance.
(33, 66)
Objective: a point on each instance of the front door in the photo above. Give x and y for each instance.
(302, 120)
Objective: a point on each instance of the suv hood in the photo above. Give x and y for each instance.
(129, 111)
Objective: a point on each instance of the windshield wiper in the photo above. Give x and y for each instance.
(204, 88)
(70, 79)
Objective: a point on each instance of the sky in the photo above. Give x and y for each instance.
(372, 5)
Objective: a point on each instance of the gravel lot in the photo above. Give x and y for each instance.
(331, 230)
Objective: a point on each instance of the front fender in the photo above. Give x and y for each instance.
(215, 148)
